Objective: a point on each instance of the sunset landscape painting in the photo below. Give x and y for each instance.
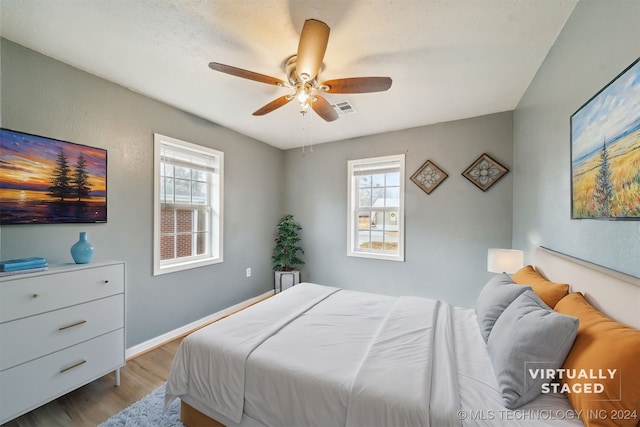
(47, 181)
(605, 151)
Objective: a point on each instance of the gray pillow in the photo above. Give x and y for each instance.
(528, 337)
(495, 297)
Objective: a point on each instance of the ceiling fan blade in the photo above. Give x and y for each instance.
(322, 107)
(356, 85)
(246, 74)
(273, 105)
(311, 48)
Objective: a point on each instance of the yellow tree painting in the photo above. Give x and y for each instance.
(605, 151)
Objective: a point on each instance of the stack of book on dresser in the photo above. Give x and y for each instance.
(22, 265)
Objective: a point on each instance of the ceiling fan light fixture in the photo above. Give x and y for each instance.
(302, 75)
(302, 94)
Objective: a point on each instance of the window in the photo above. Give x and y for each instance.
(187, 205)
(376, 208)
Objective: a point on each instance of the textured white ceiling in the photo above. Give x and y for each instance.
(449, 59)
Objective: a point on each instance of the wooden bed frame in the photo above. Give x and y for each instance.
(191, 417)
(615, 294)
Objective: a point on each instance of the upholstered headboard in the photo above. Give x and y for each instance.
(615, 294)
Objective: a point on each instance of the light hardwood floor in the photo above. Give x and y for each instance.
(95, 402)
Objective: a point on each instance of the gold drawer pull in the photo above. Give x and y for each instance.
(36, 295)
(62, 328)
(73, 366)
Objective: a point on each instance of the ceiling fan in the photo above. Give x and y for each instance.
(302, 74)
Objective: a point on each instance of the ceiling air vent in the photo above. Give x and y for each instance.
(343, 108)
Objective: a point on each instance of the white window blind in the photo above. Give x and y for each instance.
(376, 208)
(188, 205)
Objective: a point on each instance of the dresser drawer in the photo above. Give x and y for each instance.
(35, 294)
(29, 385)
(32, 337)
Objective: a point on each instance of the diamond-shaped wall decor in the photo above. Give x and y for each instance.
(428, 177)
(485, 172)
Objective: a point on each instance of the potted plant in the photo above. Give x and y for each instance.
(285, 254)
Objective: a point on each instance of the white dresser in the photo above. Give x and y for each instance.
(59, 329)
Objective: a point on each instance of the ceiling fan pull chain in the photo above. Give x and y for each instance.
(311, 133)
(303, 137)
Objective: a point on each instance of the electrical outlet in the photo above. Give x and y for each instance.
(249, 272)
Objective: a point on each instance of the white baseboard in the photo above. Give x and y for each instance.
(171, 335)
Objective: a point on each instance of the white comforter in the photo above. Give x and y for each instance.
(321, 356)
(317, 355)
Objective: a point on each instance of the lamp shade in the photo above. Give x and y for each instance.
(504, 260)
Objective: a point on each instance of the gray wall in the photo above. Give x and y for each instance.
(45, 97)
(447, 232)
(600, 39)
(1, 41)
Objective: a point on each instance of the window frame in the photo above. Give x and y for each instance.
(353, 204)
(215, 192)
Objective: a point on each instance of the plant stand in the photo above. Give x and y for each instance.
(286, 279)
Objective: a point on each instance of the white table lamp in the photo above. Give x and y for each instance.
(504, 260)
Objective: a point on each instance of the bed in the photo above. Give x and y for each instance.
(323, 356)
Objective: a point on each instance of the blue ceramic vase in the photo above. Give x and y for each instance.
(82, 250)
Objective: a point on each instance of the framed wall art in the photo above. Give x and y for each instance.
(605, 151)
(49, 181)
(484, 172)
(428, 177)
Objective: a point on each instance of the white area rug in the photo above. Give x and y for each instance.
(148, 412)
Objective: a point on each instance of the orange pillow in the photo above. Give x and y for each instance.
(601, 345)
(549, 292)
